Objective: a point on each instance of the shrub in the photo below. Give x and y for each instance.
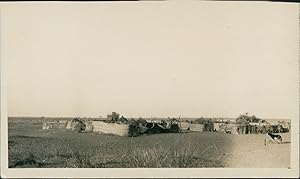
(161, 157)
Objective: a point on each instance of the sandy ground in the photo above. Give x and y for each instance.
(249, 151)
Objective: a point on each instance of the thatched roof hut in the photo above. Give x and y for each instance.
(122, 119)
(141, 121)
(76, 125)
(154, 128)
(174, 128)
(79, 127)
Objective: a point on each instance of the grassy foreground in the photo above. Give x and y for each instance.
(31, 147)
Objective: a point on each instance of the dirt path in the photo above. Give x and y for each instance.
(249, 151)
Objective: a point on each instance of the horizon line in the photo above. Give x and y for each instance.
(16, 116)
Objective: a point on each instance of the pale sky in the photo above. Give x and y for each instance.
(153, 59)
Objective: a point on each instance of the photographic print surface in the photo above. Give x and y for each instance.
(187, 85)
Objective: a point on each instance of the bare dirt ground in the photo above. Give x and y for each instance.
(249, 151)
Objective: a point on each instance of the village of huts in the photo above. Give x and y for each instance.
(119, 125)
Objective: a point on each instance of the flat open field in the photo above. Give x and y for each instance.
(30, 146)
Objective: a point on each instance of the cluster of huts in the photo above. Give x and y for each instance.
(245, 124)
(114, 124)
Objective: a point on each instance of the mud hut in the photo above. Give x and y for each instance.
(134, 130)
(155, 128)
(217, 126)
(76, 125)
(122, 119)
(141, 121)
(79, 127)
(174, 128)
(209, 126)
(88, 126)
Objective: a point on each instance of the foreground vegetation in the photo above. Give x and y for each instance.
(30, 146)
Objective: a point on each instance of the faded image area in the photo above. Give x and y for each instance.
(189, 85)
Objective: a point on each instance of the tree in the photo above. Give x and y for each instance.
(113, 116)
(245, 118)
(242, 119)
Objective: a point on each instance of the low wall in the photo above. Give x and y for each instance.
(110, 128)
(197, 127)
(184, 125)
(53, 125)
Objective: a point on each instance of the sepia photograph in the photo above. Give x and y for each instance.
(154, 86)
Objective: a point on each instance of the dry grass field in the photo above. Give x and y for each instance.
(31, 147)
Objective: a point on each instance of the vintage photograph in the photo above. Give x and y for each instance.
(151, 85)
